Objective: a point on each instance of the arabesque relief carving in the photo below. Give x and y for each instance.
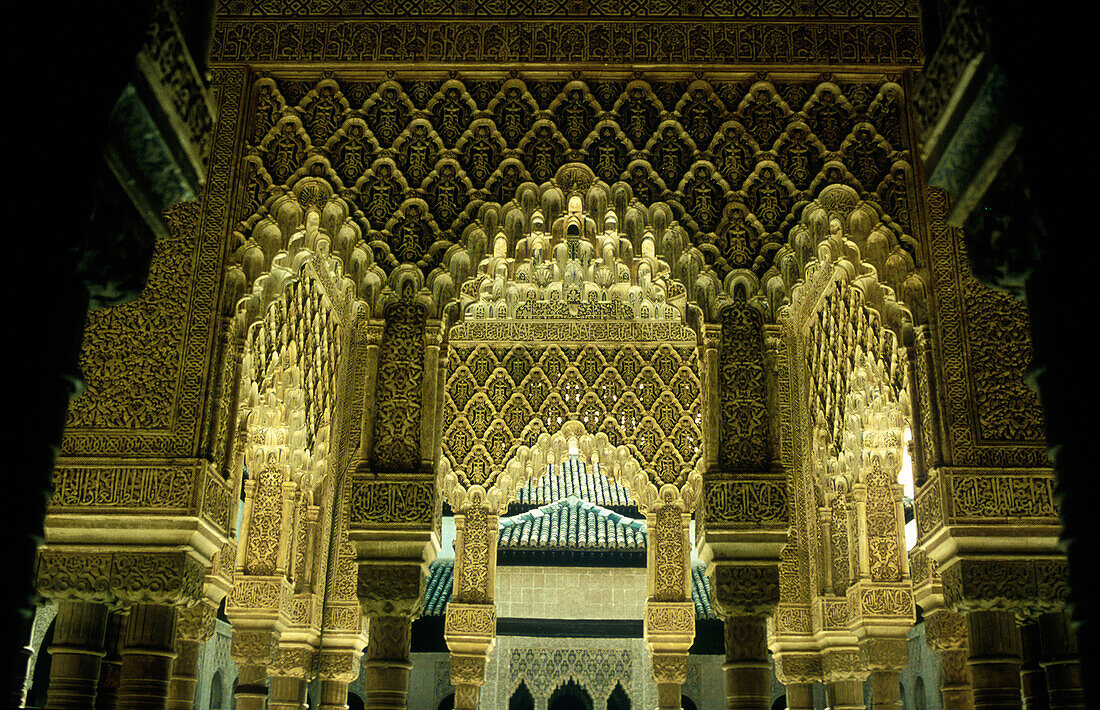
(438, 285)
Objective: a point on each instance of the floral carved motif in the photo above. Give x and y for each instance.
(744, 441)
(399, 394)
(991, 417)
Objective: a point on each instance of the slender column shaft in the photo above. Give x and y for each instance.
(668, 696)
(845, 695)
(386, 663)
(148, 649)
(1033, 681)
(946, 633)
(286, 693)
(181, 688)
(955, 693)
(466, 697)
(109, 671)
(334, 695)
(1061, 662)
(251, 692)
(800, 696)
(994, 660)
(669, 673)
(885, 690)
(77, 652)
(748, 675)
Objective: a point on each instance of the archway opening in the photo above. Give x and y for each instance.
(618, 700)
(570, 696)
(521, 699)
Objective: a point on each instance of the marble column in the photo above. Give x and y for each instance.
(1060, 661)
(386, 663)
(946, 633)
(1033, 680)
(885, 690)
(669, 672)
(111, 668)
(334, 695)
(194, 624)
(994, 659)
(286, 693)
(844, 695)
(251, 693)
(800, 696)
(76, 654)
(181, 687)
(748, 674)
(148, 650)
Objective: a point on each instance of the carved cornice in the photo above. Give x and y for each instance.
(664, 40)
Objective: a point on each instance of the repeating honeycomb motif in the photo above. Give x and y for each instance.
(646, 397)
(735, 160)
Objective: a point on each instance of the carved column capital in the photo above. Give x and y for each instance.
(746, 589)
(884, 654)
(388, 589)
(1028, 587)
(196, 622)
(467, 677)
(291, 660)
(340, 665)
(798, 667)
(254, 648)
(945, 630)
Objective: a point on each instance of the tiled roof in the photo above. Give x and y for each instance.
(441, 576)
(440, 580)
(574, 479)
(571, 523)
(700, 592)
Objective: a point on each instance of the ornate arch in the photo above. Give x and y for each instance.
(843, 324)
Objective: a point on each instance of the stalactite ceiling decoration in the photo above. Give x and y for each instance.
(419, 159)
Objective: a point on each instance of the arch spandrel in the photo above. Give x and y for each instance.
(581, 301)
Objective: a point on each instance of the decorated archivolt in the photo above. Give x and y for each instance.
(844, 324)
(292, 307)
(571, 324)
